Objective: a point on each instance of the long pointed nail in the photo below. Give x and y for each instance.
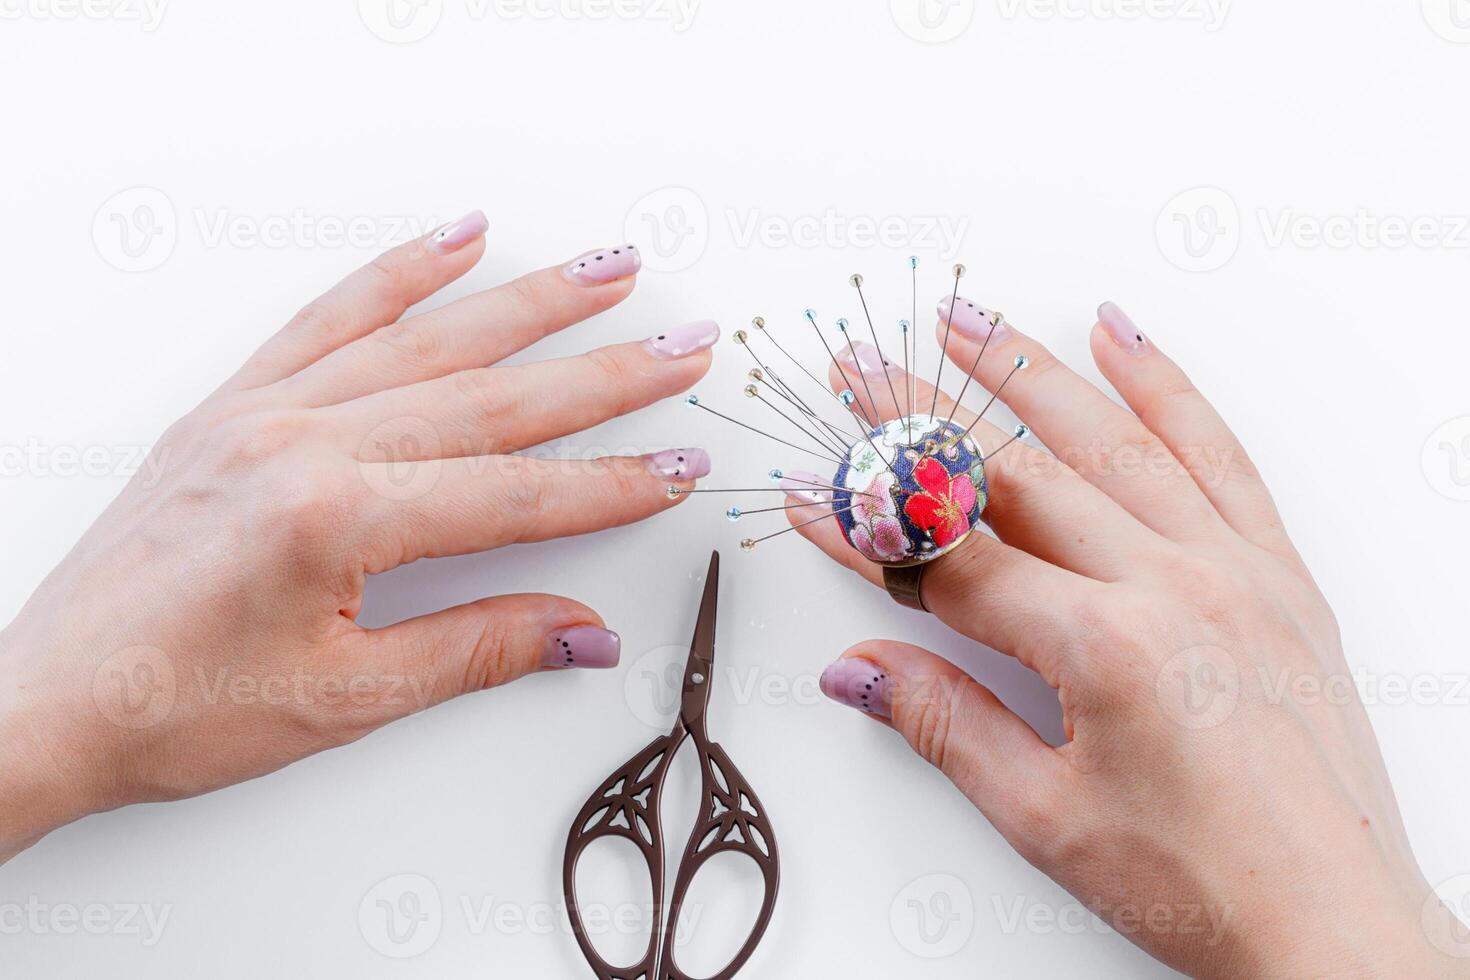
(798, 485)
(691, 338)
(458, 233)
(683, 464)
(582, 646)
(973, 320)
(859, 684)
(603, 265)
(1121, 329)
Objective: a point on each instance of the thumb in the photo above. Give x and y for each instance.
(957, 725)
(481, 645)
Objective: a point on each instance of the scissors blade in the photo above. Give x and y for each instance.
(697, 672)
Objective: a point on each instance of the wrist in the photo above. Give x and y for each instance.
(42, 786)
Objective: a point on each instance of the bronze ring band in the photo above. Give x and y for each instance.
(902, 582)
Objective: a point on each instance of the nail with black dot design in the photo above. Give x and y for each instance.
(582, 646)
(679, 464)
(1121, 329)
(602, 266)
(681, 341)
(859, 684)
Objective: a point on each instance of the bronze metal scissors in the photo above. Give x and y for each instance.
(731, 818)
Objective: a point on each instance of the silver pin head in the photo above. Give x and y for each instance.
(733, 514)
(758, 322)
(672, 492)
(751, 391)
(856, 280)
(847, 396)
(756, 375)
(692, 400)
(741, 336)
(811, 316)
(841, 325)
(913, 261)
(1023, 430)
(903, 326)
(959, 270)
(775, 475)
(747, 545)
(1022, 361)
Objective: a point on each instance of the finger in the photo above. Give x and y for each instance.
(473, 332)
(1103, 442)
(459, 506)
(1035, 502)
(375, 295)
(473, 647)
(987, 590)
(503, 409)
(1165, 400)
(961, 728)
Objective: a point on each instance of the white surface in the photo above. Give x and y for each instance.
(1059, 144)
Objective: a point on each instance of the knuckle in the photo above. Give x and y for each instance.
(490, 660)
(314, 319)
(405, 341)
(485, 399)
(931, 716)
(615, 376)
(390, 275)
(250, 441)
(530, 296)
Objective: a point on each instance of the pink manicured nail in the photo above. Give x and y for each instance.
(582, 646)
(685, 464)
(860, 352)
(604, 265)
(859, 684)
(973, 320)
(683, 341)
(798, 484)
(457, 234)
(1121, 329)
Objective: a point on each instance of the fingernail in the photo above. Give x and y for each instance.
(859, 684)
(686, 464)
(459, 233)
(798, 484)
(604, 265)
(1121, 329)
(973, 320)
(862, 354)
(683, 341)
(582, 646)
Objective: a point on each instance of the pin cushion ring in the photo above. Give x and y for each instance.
(909, 494)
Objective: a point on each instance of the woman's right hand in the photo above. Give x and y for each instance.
(1221, 800)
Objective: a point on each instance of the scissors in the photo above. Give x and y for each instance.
(627, 803)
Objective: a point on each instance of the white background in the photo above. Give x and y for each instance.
(1060, 141)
